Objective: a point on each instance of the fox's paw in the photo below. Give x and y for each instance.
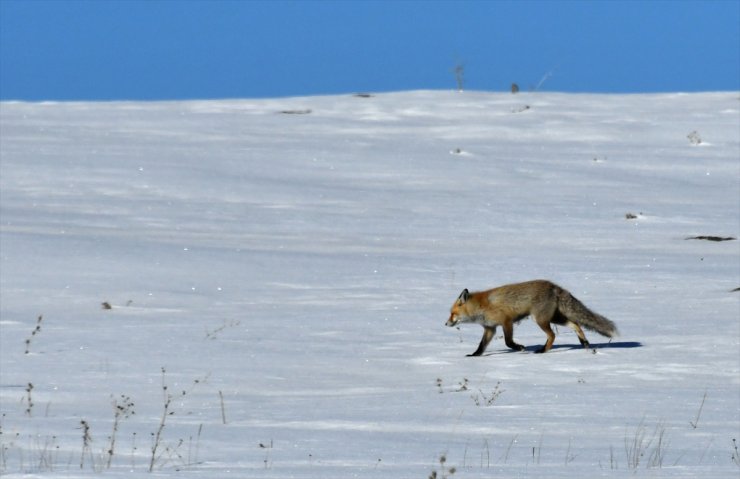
(516, 347)
(541, 350)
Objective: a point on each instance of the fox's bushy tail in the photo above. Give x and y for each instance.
(577, 312)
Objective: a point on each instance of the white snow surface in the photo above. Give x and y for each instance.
(290, 263)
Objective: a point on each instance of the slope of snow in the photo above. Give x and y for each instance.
(285, 268)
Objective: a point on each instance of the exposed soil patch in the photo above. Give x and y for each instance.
(295, 112)
(712, 238)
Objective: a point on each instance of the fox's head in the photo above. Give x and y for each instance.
(456, 312)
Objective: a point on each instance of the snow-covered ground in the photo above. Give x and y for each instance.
(285, 268)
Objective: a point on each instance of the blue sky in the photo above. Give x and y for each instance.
(149, 50)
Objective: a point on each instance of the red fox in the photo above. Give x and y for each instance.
(547, 302)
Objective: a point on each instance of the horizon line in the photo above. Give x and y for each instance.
(363, 93)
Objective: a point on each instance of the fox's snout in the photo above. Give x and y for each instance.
(452, 321)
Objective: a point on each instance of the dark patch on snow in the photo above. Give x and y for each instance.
(295, 112)
(711, 238)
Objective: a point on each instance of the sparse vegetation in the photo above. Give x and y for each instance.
(35, 331)
(122, 409)
(461, 385)
(29, 399)
(445, 471)
(193, 456)
(695, 422)
(226, 324)
(267, 447)
(537, 450)
(157, 437)
(486, 449)
(86, 440)
(223, 409)
(508, 449)
(568, 456)
(460, 76)
(544, 78)
(641, 449)
(482, 399)
(161, 454)
(694, 138)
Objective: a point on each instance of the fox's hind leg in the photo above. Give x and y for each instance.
(488, 333)
(581, 337)
(560, 319)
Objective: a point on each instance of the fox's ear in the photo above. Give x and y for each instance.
(463, 298)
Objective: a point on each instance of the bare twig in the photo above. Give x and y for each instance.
(165, 412)
(29, 400)
(223, 410)
(695, 422)
(121, 411)
(36, 331)
(86, 440)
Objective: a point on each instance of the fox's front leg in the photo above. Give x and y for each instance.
(488, 333)
(509, 336)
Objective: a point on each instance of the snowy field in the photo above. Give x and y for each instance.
(277, 274)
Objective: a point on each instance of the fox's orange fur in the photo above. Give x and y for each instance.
(546, 302)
